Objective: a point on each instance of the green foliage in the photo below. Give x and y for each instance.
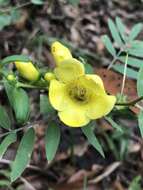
(127, 44)
(73, 2)
(14, 58)
(108, 44)
(114, 124)
(23, 154)
(140, 82)
(45, 106)
(8, 140)
(4, 118)
(135, 184)
(21, 104)
(88, 132)
(52, 140)
(114, 32)
(37, 2)
(140, 122)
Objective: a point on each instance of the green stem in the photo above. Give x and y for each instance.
(131, 103)
(20, 84)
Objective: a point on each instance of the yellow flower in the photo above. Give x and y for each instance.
(60, 52)
(49, 76)
(27, 70)
(78, 97)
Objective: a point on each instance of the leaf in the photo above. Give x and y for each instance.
(37, 2)
(135, 184)
(121, 28)
(8, 140)
(21, 105)
(88, 132)
(134, 62)
(4, 118)
(108, 44)
(23, 154)
(13, 58)
(136, 52)
(88, 68)
(45, 106)
(130, 72)
(52, 140)
(135, 31)
(114, 32)
(114, 124)
(5, 20)
(9, 91)
(74, 2)
(4, 183)
(140, 82)
(140, 122)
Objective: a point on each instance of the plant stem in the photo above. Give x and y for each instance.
(131, 103)
(20, 84)
(124, 76)
(115, 59)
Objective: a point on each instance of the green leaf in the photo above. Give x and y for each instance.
(45, 106)
(4, 118)
(134, 62)
(4, 183)
(88, 68)
(114, 124)
(74, 2)
(121, 28)
(5, 20)
(140, 122)
(114, 32)
(8, 140)
(108, 44)
(21, 105)
(88, 132)
(9, 91)
(37, 2)
(23, 154)
(130, 72)
(140, 82)
(52, 140)
(135, 31)
(135, 184)
(13, 58)
(136, 52)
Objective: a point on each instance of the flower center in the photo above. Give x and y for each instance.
(78, 93)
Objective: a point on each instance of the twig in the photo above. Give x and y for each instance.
(111, 168)
(131, 103)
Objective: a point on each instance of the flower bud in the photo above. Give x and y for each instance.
(60, 52)
(27, 70)
(10, 77)
(49, 76)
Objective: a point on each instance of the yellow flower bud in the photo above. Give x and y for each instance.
(27, 70)
(49, 76)
(11, 77)
(60, 52)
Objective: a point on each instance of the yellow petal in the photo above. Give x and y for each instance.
(49, 76)
(27, 70)
(74, 117)
(57, 95)
(96, 79)
(60, 52)
(100, 106)
(69, 70)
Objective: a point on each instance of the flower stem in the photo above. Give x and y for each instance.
(20, 84)
(131, 103)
